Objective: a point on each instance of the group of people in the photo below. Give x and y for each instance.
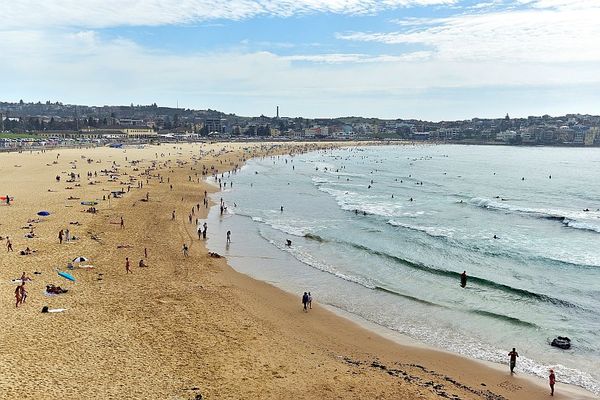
(307, 301)
(21, 293)
(513, 362)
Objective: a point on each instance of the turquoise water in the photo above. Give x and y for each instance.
(397, 262)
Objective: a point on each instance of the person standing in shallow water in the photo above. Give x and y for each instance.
(228, 237)
(305, 301)
(513, 359)
(463, 279)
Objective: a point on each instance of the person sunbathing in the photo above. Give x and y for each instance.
(26, 252)
(51, 289)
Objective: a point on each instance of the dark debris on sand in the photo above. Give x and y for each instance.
(400, 371)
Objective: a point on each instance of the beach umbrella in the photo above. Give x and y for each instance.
(43, 213)
(80, 259)
(66, 275)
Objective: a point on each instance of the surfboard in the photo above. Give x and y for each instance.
(66, 275)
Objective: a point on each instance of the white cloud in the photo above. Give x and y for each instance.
(36, 14)
(358, 58)
(546, 31)
(549, 47)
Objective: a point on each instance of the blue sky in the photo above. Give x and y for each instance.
(429, 59)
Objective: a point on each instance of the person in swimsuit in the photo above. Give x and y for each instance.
(513, 359)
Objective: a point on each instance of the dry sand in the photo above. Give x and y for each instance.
(184, 326)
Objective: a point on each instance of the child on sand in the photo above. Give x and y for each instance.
(127, 265)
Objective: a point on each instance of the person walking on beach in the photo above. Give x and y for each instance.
(552, 381)
(145, 253)
(18, 295)
(309, 300)
(122, 223)
(60, 236)
(127, 266)
(8, 245)
(305, 301)
(185, 250)
(463, 279)
(513, 359)
(23, 292)
(228, 237)
(173, 216)
(205, 231)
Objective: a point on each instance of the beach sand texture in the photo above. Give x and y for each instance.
(184, 326)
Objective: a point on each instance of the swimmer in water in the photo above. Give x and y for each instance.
(463, 279)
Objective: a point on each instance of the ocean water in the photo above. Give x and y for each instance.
(359, 244)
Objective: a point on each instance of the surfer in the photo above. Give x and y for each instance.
(288, 242)
(281, 208)
(496, 237)
(463, 279)
(513, 359)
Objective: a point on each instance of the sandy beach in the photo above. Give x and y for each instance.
(185, 327)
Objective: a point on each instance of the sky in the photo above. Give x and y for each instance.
(425, 59)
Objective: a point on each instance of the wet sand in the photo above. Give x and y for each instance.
(184, 326)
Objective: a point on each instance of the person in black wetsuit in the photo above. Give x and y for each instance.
(463, 279)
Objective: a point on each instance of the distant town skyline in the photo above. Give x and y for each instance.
(424, 59)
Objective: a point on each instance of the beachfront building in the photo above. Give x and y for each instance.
(121, 132)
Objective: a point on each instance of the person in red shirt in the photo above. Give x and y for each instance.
(552, 380)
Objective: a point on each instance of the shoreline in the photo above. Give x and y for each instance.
(185, 325)
(398, 338)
